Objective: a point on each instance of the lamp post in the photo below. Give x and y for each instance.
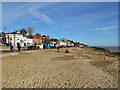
(5, 34)
(8, 38)
(14, 37)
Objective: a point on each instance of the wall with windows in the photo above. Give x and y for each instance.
(18, 39)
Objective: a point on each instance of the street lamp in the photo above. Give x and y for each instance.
(5, 35)
(14, 37)
(8, 38)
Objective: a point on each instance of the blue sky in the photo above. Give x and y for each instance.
(91, 23)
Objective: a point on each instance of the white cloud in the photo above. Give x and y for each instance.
(35, 12)
(105, 28)
(25, 11)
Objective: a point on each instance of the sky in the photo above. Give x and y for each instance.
(91, 23)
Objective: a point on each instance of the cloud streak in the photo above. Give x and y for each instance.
(25, 11)
(35, 12)
(105, 28)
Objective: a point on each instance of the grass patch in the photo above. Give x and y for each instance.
(115, 53)
(99, 49)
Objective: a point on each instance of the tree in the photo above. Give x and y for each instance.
(44, 35)
(2, 34)
(38, 34)
(30, 30)
(35, 44)
(47, 41)
(71, 41)
(3, 40)
(75, 43)
(23, 31)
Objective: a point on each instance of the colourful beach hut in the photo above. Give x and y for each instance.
(46, 46)
(40, 46)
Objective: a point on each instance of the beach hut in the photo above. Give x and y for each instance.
(40, 46)
(46, 46)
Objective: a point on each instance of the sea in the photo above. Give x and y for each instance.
(111, 48)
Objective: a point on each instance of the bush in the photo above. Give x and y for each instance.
(104, 50)
(115, 53)
(100, 49)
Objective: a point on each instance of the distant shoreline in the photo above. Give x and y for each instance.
(111, 48)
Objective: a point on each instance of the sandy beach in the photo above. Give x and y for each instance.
(81, 68)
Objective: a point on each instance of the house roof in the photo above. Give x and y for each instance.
(12, 33)
(18, 31)
(33, 36)
(54, 40)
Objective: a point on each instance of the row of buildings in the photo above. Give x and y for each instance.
(17, 37)
(24, 40)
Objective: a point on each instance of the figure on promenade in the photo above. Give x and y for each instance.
(67, 51)
(106, 53)
(28, 47)
(38, 47)
(19, 47)
(58, 48)
(14, 48)
(11, 47)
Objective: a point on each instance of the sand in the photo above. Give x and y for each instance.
(81, 68)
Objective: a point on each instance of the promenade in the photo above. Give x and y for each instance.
(6, 50)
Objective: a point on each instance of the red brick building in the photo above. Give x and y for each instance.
(37, 39)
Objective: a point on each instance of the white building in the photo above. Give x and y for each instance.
(53, 43)
(29, 41)
(16, 39)
(62, 43)
(69, 44)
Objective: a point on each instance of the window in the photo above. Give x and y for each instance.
(37, 41)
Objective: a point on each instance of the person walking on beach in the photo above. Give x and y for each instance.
(14, 48)
(67, 50)
(19, 47)
(106, 53)
(11, 47)
(58, 48)
(38, 47)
